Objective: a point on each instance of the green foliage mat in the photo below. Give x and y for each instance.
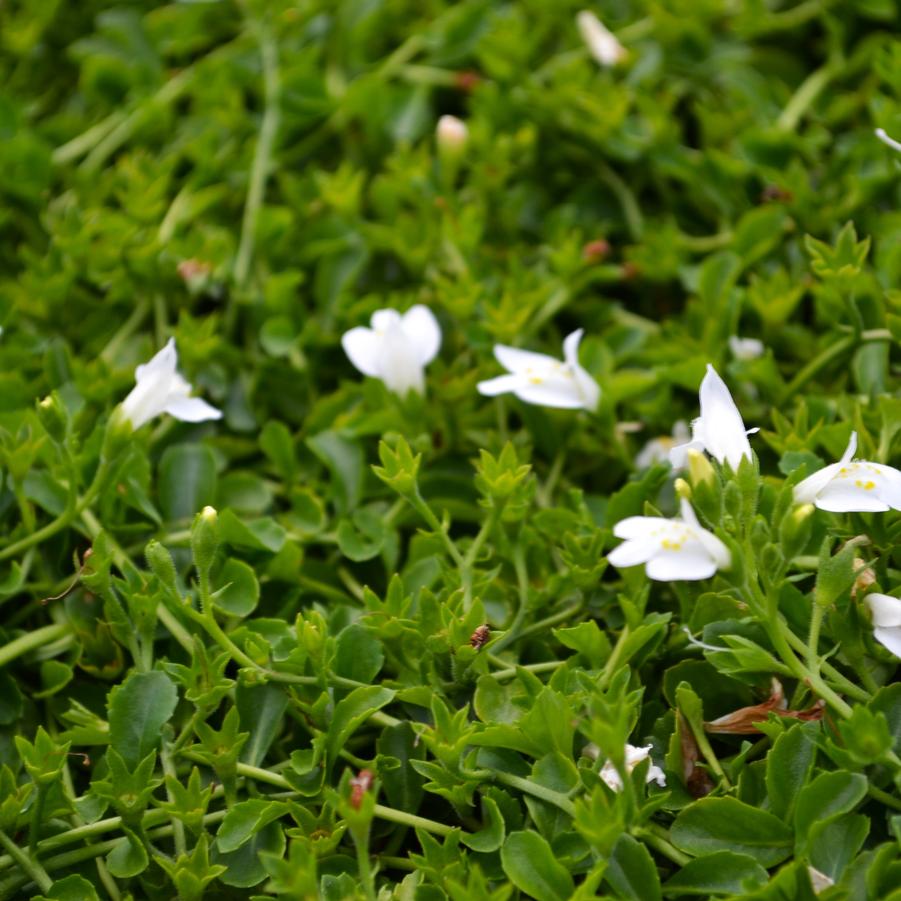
(391, 659)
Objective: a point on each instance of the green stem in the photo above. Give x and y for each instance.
(32, 640)
(821, 361)
(127, 329)
(425, 511)
(841, 681)
(813, 639)
(522, 578)
(178, 828)
(364, 866)
(630, 208)
(806, 94)
(82, 143)
(37, 818)
(35, 871)
(883, 797)
(528, 787)
(262, 160)
(658, 839)
(546, 667)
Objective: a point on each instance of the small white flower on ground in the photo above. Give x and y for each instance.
(888, 141)
(658, 449)
(396, 349)
(634, 756)
(671, 549)
(719, 429)
(852, 487)
(745, 349)
(161, 389)
(601, 42)
(452, 134)
(886, 613)
(540, 379)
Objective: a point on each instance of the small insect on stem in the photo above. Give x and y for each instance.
(480, 637)
(359, 785)
(84, 560)
(85, 759)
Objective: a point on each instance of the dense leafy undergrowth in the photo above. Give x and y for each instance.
(347, 641)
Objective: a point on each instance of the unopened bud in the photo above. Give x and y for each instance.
(161, 565)
(601, 42)
(205, 540)
(53, 416)
(700, 470)
(795, 531)
(683, 489)
(452, 134)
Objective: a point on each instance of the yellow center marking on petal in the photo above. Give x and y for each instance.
(535, 380)
(867, 486)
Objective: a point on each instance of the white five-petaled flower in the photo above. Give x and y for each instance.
(160, 389)
(540, 379)
(397, 348)
(671, 549)
(745, 348)
(601, 42)
(852, 487)
(634, 756)
(658, 449)
(887, 140)
(719, 429)
(886, 612)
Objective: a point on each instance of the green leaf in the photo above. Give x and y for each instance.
(631, 871)
(10, 699)
(239, 591)
(358, 654)
(833, 844)
(128, 858)
(187, 480)
(491, 836)
(788, 767)
(244, 867)
(245, 820)
(72, 888)
(532, 867)
(720, 873)
(344, 459)
(727, 824)
(263, 534)
(351, 713)
(261, 709)
(829, 795)
(138, 709)
(362, 535)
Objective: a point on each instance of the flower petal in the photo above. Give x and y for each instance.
(633, 551)
(807, 490)
(192, 409)
(678, 455)
(553, 392)
(689, 563)
(885, 609)
(889, 638)
(382, 320)
(501, 384)
(846, 497)
(399, 364)
(421, 327)
(525, 362)
(363, 348)
(162, 363)
(721, 427)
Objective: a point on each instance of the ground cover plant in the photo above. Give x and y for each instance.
(447, 450)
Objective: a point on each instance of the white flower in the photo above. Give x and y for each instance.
(890, 142)
(719, 429)
(658, 449)
(452, 134)
(610, 774)
(847, 487)
(601, 42)
(745, 348)
(540, 379)
(160, 389)
(886, 612)
(396, 348)
(819, 881)
(672, 549)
